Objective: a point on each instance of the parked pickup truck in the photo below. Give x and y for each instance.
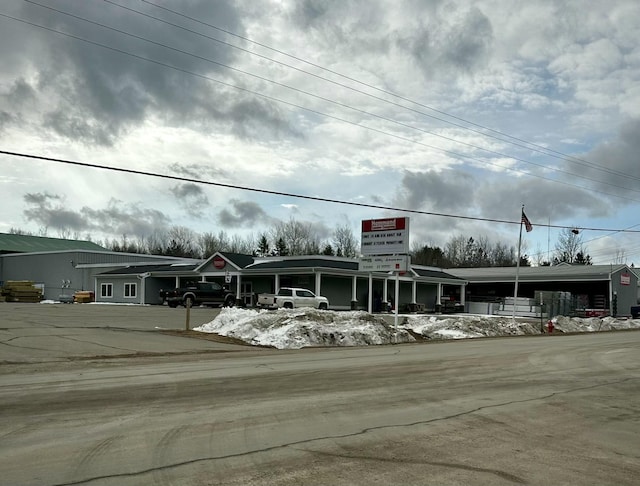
(289, 298)
(198, 293)
(635, 311)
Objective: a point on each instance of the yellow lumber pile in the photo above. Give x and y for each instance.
(83, 296)
(21, 291)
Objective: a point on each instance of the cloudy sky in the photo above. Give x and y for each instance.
(463, 108)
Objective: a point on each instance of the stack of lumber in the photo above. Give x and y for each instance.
(83, 296)
(21, 291)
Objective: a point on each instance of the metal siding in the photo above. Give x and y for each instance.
(49, 270)
(627, 294)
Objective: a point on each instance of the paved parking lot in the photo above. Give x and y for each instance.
(61, 332)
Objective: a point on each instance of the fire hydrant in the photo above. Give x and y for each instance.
(550, 326)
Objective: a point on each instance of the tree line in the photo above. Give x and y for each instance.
(294, 238)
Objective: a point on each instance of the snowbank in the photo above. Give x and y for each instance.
(298, 328)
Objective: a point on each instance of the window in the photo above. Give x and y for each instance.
(130, 290)
(106, 290)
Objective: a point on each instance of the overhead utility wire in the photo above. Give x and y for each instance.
(530, 145)
(286, 194)
(343, 105)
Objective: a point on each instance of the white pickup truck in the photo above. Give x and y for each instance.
(289, 298)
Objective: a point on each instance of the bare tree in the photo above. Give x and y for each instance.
(503, 255)
(210, 243)
(182, 242)
(568, 246)
(298, 237)
(344, 241)
(429, 255)
(242, 245)
(156, 243)
(455, 250)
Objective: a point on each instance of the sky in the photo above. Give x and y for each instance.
(469, 109)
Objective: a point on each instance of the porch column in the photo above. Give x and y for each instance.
(143, 290)
(462, 295)
(370, 295)
(354, 292)
(414, 291)
(277, 283)
(239, 299)
(438, 300)
(385, 290)
(177, 285)
(318, 283)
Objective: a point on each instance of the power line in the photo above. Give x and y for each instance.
(288, 194)
(317, 112)
(530, 145)
(328, 100)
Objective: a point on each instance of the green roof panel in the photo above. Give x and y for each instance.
(12, 243)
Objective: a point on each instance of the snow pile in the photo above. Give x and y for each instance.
(298, 328)
(462, 326)
(594, 324)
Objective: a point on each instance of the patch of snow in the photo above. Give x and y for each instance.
(303, 327)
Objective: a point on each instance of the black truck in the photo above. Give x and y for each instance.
(198, 293)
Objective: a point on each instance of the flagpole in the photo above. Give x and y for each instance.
(515, 292)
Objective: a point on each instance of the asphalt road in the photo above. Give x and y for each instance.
(536, 410)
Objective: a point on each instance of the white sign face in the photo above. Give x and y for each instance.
(385, 236)
(384, 263)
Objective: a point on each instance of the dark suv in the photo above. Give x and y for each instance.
(199, 293)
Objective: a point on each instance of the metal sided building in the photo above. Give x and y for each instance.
(61, 267)
(610, 287)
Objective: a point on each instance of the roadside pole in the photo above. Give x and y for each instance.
(188, 306)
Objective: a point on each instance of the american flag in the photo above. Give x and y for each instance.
(526, 222)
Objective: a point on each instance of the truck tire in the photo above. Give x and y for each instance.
(188, 302)
(288, 305)
(173, 305)
(322, 306)
(229, 301)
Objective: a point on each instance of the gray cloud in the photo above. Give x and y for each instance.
(191, 197)
(544, 200)
(96, 95)
(619, 159)
(118, 218)
(196, 171)
(456, 41)
(242, 214)
(435, 191)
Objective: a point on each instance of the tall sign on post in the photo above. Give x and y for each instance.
(389, 236)
(385, 247)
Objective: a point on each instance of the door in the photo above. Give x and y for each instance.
(246, 294)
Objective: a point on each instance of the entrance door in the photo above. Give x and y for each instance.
(246, 294)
